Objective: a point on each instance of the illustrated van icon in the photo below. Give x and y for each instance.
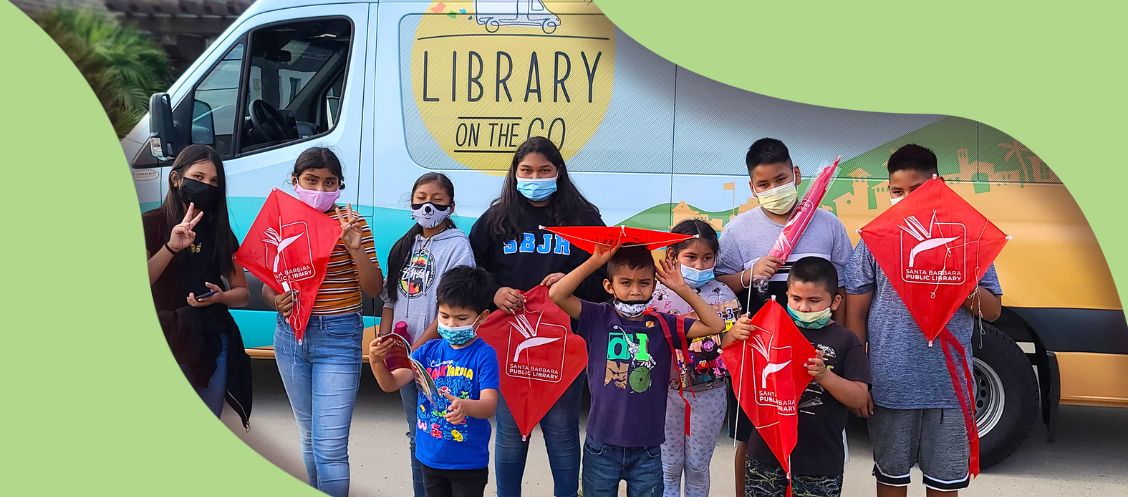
(494, 14)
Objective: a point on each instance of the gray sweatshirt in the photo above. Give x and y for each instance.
(429, 259)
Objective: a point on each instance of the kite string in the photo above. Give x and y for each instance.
(740, 386)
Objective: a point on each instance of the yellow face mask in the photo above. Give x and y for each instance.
(779, 200)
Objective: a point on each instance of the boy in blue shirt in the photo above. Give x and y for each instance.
(453, 437)
(915, 416)
(629, 364)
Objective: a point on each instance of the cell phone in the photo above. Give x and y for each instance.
(205, 295)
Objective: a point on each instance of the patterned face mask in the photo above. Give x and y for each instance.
(631, 309)
(429, 215)
(458, 335)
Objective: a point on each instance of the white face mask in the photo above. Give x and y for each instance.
(779, 200)
(894, 200)
(429, 215)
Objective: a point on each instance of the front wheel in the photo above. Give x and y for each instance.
(1006, 397)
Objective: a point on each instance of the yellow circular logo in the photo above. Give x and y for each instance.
(487, 80)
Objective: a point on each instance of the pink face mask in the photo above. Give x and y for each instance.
(317, 199)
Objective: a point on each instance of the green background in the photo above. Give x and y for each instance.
(93, 402)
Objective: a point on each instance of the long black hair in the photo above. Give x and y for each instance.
(397, 258)
(174, 207)
(511, 210)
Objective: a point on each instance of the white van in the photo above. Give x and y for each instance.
(400, 88)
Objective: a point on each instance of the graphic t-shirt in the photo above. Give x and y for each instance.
(629, 366)
(822, 417)
(463, 373)
(704, 366)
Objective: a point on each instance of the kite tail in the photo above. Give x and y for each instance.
(965, 395)
(789, 475)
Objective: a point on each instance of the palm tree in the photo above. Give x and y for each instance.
(122, 65)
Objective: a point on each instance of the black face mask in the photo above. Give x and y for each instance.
(199, 193)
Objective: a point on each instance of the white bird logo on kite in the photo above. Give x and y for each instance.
(764, 350)
(917, 230)
(273, 238)
(529, 331)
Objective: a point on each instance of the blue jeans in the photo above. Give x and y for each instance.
(214, 393)
(605, 465)
(321, 377)
(561, 427)
(409, 397)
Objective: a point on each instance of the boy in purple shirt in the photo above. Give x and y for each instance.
(629, 363)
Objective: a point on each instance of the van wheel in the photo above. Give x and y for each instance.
(492, 25)
(549, 26)
(1006, 397)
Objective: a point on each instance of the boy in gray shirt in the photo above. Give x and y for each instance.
(747, 239)
(915, 417)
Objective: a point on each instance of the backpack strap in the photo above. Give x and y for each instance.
(680, 323)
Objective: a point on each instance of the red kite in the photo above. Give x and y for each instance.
(769, 376)
(587, 237)
(539, 356)
(934, 247)
(288, 248)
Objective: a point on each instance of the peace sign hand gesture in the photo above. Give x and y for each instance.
(351, 227)
(182, 235)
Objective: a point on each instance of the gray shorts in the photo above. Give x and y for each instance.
(934, 439)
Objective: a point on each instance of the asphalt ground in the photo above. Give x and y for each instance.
(1088, 458)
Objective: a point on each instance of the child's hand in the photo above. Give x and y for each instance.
(182, 235)
(765, 267)
(210, 299)
(284, 303)
(669, 274)
(551, 279)
(603, 253)
(456, 412)
(816, 366)
(742, 329)
(378, 349)
(351, 229)
(509, 300)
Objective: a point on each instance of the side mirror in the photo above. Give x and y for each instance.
(162, 140)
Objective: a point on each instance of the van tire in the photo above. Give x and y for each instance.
(1004, 421)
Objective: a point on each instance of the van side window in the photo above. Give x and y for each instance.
(215, 102)
(295, 81)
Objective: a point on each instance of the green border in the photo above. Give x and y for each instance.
(92, 399)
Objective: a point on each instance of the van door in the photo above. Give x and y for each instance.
(291, 79)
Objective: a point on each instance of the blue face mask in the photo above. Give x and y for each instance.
(536, 189)
(458, 335)
(696, 278)
(810, 320)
